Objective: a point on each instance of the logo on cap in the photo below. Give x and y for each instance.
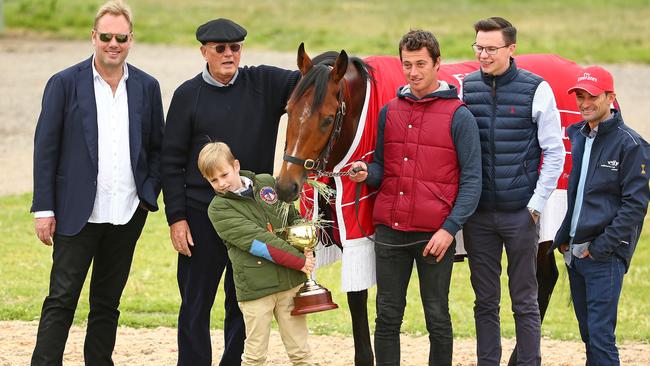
(594, 80)
(587, 76)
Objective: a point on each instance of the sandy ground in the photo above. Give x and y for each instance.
(26, 65)
(158, 347)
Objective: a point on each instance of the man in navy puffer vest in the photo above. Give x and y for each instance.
(518, 122)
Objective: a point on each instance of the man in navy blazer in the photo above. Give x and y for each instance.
(96, 174)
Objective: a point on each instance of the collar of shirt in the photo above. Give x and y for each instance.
(207, 77)
(246, 184)
(125, 74)
(588, 132)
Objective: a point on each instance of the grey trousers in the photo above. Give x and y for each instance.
(486, 233)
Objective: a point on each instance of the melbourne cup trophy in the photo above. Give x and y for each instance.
(311, 297)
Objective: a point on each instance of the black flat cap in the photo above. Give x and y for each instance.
(220, 30)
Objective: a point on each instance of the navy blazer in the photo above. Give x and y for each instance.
(66, 144)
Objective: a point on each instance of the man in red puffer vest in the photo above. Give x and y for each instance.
(427, 165)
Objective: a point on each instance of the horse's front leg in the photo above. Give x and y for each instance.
(358, 302)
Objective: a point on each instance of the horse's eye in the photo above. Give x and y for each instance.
(327, 122)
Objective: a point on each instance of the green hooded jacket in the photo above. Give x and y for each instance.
(262, 262)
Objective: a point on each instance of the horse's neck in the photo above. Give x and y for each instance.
(355, 97)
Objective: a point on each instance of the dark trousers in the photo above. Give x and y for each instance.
(394, 267)
(595, 291)
(198, 279)
(485, 234)
(110, 249)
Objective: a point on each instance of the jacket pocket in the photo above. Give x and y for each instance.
(532, 181)
(605, 178)
(260, 274)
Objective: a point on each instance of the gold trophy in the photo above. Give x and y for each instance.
(311, 297)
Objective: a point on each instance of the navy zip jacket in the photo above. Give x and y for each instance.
(616, 191)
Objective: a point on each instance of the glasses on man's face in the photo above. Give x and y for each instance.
(489, 50)
(221, 48)
(107, 37)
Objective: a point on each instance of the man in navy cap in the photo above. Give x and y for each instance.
(240, 106)
(607, 202)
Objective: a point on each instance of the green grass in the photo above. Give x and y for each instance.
(151, 297)
(587, 31)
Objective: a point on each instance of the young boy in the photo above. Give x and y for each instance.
(267, 270)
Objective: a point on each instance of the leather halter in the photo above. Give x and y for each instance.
(321, 162)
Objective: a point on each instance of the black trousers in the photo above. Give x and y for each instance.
(198, 278)
(394, 268)
(110, 249)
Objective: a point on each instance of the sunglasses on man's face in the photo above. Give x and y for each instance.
(107, 37)
(221, 48)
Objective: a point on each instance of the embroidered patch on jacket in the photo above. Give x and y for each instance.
(268, 195)
(611, 165)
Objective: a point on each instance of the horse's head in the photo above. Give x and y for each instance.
(315, 108)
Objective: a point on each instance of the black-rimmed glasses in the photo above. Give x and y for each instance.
(492, 50)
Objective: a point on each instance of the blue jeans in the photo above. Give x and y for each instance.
(595, 290)
(394, 267)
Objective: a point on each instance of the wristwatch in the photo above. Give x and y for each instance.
(534, 212)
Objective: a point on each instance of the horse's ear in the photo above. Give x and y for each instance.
(304, 62)
(340, 67)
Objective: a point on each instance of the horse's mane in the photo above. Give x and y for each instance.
(318, 76)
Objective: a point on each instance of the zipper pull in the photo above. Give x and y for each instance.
(269, 227)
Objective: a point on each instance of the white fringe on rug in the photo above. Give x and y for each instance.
(358, 265)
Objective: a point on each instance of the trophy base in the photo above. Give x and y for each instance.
(312, 298)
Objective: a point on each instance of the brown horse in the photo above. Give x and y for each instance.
(324, 112)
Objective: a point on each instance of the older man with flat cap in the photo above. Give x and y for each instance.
(240, 106)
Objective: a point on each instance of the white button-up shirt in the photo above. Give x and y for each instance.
(116, 198)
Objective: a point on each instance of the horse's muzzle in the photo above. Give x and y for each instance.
(287, 190)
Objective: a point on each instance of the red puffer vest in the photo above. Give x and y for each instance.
(421, 170)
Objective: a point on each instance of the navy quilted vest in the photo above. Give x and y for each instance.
(510, 150)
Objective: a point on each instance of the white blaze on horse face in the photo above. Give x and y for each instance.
(306, 112)
(304, 115)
